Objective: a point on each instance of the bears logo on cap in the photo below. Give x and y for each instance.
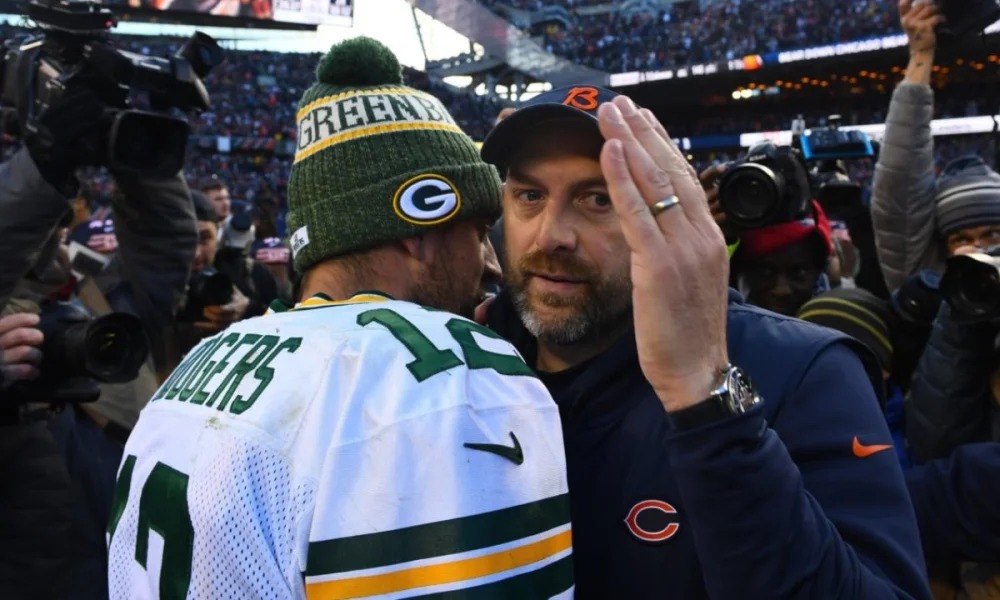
(427, 200)
(584, 98)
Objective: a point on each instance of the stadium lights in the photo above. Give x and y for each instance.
(939, 127)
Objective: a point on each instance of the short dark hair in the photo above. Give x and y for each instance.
(212, 182)
(203, 208)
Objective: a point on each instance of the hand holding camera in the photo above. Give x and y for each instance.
(218, 317)
(20, 340)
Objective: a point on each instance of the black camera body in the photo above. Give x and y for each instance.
(74, 49)
(79, 351)
(971, 285)
(767, 187)
(964, 17)
(207, 287)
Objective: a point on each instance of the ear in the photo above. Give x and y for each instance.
(416, 247)
(426, 247)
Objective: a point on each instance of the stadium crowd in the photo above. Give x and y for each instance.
(624, 38)
(863, 300)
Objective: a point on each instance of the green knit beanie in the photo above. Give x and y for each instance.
(377, 161)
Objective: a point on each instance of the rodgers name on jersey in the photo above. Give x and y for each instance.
(368, 448)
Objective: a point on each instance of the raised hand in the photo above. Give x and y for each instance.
(680, 269)
(919, 19)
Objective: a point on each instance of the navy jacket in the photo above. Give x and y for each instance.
(951, 401)
(770, 504)
(956, 503)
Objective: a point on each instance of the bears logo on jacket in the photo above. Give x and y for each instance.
(665, 533)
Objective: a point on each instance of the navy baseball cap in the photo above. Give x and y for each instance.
(578, 101)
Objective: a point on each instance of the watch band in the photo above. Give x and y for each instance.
(733, 396)
(707, 411)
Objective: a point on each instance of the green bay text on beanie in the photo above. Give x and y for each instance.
(376, 160)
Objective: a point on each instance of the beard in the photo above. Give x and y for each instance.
(442, 289)
(600, 307)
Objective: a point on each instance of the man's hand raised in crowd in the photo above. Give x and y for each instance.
(919, 20)
(20, 339)
(679, 265)
(218, 318)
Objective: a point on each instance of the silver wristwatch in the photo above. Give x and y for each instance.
(734, 395)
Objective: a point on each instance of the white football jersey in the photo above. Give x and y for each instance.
(367, 448)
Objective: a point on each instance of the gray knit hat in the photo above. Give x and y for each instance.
(968, 195)
(377, 161)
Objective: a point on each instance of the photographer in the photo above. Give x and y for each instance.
(218, 194)
(252, 279)
(919, 221)
(85, 122)
(843, 201)
(36, 499)
(156, 237)
(226, 285)
(780, 267)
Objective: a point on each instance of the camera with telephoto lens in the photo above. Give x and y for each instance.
(769, 186)
(79, 351)
(73, 50)
(207, 287)
(971, 285)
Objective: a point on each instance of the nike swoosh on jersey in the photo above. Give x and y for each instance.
(512, 453)
(862, 451)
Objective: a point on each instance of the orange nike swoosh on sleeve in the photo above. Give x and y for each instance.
(862, 451)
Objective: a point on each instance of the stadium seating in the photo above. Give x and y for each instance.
(619, 40)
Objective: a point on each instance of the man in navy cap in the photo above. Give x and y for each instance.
(686, 480)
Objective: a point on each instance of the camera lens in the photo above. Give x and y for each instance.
(978, 291)
(113, 348)
(753, 199)
(971, 286)
(750, 194)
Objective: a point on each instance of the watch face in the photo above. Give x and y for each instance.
(741, 391)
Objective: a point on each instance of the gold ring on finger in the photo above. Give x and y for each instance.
(664, 205)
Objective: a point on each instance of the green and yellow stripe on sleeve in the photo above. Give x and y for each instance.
(520, 551)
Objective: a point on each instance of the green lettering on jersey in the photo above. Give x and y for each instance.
(118, 501)
(249, 338)
(250, 362)
(264, 374)
(477, 358)
(163, 509)
(172, 386)
(429, 360)
(192, 383)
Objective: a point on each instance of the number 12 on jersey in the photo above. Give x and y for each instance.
(162, 508)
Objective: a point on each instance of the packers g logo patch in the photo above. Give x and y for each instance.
(427, 200)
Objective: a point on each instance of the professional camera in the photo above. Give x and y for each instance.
(965, 16)
(836, 194)
(971, 285)
(207, 287)
(831, 143)
(769, 186)
(80, 351)
(73, 50)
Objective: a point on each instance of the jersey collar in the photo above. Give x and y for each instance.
(322, 300)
